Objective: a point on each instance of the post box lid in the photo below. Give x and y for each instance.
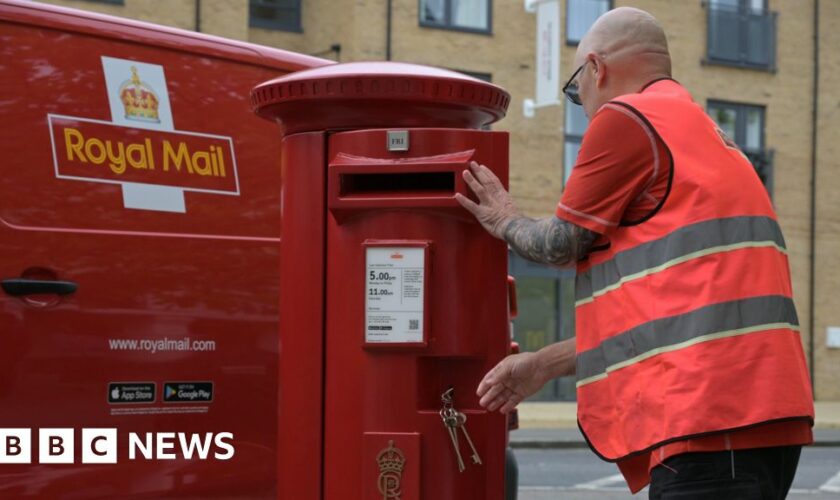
(378, 95)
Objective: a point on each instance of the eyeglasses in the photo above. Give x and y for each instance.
(571, 89)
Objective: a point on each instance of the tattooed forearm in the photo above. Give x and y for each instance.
(549, 241)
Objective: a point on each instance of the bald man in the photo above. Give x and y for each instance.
(690, 370)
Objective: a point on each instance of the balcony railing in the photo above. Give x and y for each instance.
(741, 37)
(763, 163)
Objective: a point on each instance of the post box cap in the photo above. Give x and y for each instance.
(378, 95)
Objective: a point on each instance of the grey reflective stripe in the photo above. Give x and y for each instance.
(727, 319)
(687, 243)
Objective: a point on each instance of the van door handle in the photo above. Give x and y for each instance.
(21, 287)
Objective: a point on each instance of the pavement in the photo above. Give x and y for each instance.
(554, 425)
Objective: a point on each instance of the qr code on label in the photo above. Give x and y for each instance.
(413, 324)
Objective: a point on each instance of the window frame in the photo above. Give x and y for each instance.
(570, 138)
(762, 153)
(569, 41)
(741, 109)
(478, 75)
(743, 62)
(269, 24)
(447, 25)
(521, 268)
(742, 4)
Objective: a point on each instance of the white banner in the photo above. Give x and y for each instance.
(548, 53)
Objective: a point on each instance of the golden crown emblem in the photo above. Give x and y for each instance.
(139, 100)
(391, 459)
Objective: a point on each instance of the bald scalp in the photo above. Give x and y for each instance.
(629, 37)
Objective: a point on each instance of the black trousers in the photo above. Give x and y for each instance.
(753, 474)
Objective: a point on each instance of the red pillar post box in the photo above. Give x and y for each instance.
(391, 292)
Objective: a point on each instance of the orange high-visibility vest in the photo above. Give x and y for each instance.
(685, 323)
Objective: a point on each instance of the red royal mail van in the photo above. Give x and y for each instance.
(139, 230)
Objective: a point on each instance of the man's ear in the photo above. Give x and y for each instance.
(599, 69)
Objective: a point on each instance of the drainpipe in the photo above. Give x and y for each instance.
(198, 16)
(388, 32)
(813, 229)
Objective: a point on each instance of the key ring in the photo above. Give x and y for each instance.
(447, 397)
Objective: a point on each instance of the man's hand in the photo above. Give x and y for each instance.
(549, 241)
(495, 209)
(515, 378)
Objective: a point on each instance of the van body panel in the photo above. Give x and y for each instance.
(177, 269)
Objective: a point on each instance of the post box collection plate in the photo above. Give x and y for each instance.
(395, 292)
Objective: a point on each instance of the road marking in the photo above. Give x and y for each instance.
(832, 485)
(566, 489)
(612, 489)
(600, 483)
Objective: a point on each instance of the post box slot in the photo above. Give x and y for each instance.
(406, 183)
(357, 184)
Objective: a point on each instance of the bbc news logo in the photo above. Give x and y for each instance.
(100, 446)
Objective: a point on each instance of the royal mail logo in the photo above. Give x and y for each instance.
(97, 151)
(101, 446)
(140, 149)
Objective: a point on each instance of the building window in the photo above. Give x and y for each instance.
(485, 77)
(462, 15)
(576, 123)
(283, 15)
(546, 300)
(580, 14)
(741, 33)
(744, 124)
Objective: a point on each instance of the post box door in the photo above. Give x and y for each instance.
(416, 303)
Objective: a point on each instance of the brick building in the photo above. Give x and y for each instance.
(764, 69)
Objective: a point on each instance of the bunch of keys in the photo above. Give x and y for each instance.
(454, 420)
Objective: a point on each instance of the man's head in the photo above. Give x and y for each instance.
(625, 49)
